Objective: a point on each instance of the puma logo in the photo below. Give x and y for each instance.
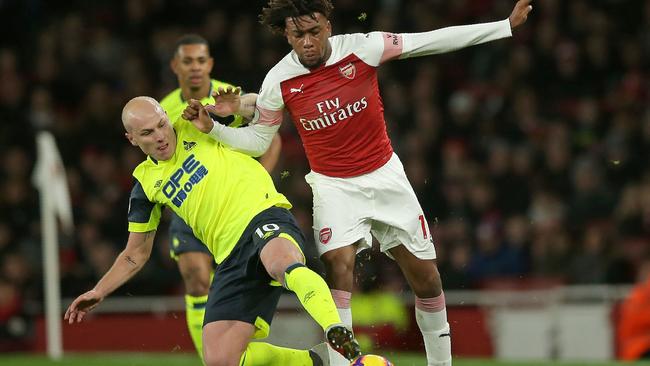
(296, 90)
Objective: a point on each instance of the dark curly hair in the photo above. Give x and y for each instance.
(277, 11)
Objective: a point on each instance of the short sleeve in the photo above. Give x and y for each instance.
(144, 215)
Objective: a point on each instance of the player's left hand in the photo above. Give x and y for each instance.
(227, 101)
(82, 305)
(520, 13)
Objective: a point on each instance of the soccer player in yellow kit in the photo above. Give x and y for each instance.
(230, 202)
(192, 65)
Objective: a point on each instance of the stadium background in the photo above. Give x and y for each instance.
(529, 155)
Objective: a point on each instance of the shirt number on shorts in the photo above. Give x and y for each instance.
(268, 228)
(424, 225)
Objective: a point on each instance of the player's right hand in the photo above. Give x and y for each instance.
(82, 305)
(196, 113)
(520, 13)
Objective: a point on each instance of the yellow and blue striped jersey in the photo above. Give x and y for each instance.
(215, 190)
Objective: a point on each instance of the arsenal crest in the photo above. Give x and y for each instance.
(325, 235)
(348, 71)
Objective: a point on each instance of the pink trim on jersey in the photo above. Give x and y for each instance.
(432, 304)
(341, 298)
(269, 117)
(393, 45)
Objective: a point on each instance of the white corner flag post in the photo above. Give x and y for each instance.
(50, 179)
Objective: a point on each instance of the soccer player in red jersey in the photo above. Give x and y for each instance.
(329, 86)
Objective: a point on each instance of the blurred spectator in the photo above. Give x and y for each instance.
(14, 324)
(591, 260)
(455, 268)
(591, 199)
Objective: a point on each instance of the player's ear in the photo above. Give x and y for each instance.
(210, 64)
(130, 138)
(173, 64)
(329, 29)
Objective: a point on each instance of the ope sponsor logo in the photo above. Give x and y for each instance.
(178, 192)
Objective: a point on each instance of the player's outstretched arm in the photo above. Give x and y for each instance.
(449, 39)
(272, 155)
(247, 106)
(251, 140)
(520, 13)
(127, 264)
(82, 305)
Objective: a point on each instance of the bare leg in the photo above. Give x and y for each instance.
(195, 268)
(421, 274)
(430, 312)
(339, 264)
(225, 341)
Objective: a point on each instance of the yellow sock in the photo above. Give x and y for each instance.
(194, 311)
(313, 293)
(265, 354)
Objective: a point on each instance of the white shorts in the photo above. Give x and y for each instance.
(380, 204)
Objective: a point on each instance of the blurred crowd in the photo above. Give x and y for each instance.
(529, 155)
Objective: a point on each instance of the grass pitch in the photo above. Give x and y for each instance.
(147, 359)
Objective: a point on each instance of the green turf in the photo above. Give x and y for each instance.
(131, 359)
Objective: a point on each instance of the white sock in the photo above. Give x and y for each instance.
(342, 301)
(346, 316)
(431, 316)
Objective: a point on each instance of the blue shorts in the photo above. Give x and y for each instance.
(182, 239)
(242, 289)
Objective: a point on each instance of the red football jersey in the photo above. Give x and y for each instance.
(336, 108)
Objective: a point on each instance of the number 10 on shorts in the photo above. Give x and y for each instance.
(266, 230)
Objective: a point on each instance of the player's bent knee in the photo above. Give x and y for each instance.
(338, 266)
(428, 285)
(196, 280)
(338, 269)
(340, 261)
(195, 270)
(225, 341)
(278, 255)
(220, 359)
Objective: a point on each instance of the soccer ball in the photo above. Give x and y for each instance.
(370, 360)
